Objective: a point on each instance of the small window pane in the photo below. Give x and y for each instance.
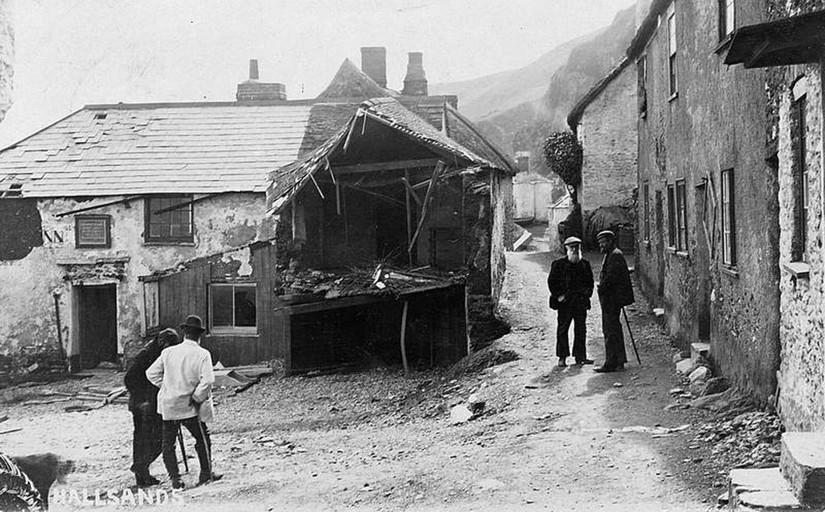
(222, 306)
(244, 306)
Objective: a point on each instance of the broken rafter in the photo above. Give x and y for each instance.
(386, 166)
(317, 187)
(349, 132)
(95, 207)
(427, 198)
(376, 194)
(410, 190)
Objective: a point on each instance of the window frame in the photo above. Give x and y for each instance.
(646, 203)
(231, 329)
(727, 18)
(672, 44)
(728, 201)
(671, 215)
(681, 216)
(187, 203)
(801, 179)
(107, 243)
(641, 77)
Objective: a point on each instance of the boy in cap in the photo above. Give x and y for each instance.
(615, 292)
(185, 377)
(571, 284)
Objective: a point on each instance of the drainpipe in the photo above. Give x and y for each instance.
(61, 351)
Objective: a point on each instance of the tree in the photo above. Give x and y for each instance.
(563, 154)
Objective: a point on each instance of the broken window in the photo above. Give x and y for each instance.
(169, 219)
(232, 307)
(728, 219)
(92, 231)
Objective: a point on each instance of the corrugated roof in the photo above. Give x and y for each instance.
(120, 149)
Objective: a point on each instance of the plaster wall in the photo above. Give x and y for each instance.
(27, 319)
(715, 122)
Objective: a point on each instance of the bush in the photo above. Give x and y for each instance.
(563, 154)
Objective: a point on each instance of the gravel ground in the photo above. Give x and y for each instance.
(549, 438)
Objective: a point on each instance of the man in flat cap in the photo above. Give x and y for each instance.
(615, 292)
(143, 403)
(185, 377)
(571, 284)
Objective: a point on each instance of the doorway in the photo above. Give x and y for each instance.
(97, 324)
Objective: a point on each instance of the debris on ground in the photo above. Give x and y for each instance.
(750, 439)
(482, 359)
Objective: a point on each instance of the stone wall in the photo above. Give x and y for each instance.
(27, 286)
(608, 133)
(715, 122)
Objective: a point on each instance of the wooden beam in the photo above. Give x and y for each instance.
(386, 166)
(317, 187)
(403, 338)
(427, 198)
(376, 194)
(757, 53)
(101, 205)
(410, 190)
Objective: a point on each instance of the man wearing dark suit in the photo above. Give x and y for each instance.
(143, 403)
(571, 284)
(615, 292)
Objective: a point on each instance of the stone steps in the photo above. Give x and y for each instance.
(802, 463)
(798, 484)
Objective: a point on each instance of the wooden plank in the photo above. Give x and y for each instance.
(427, 198)
(386, 166)
(376, 194)
(410, 191)
(409, 213)
(325, 305)
(404, 339)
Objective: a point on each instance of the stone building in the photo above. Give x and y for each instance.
(124, 218)
(789, 46)
(708, 218)
(605, 122)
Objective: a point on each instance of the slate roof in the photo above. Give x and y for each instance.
(147, 149)
(351, 82)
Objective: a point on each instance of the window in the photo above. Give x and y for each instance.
(169, 219)
(646, 201)
(681, 216)
(92, 231)
(671, 42)
(801, 182)
(671, 216)
(728, 219)
(641, 70)
(232, 308)
(726, 18)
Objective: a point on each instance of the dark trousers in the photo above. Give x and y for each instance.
(578, 317)
(147, 439)
(203, 446)
(614, 352)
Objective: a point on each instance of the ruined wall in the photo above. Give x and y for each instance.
(715, 122)
(608, 133)
(27, 319)
(502, 200)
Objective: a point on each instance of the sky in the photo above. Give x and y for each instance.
(69, 53)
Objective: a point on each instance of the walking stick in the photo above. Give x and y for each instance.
(182, 449)
(631, 335)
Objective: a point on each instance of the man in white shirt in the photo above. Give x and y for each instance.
(185, 377)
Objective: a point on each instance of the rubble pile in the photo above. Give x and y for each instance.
(751, 439)
(358, 281)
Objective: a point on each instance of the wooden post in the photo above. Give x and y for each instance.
(427, 198)
(409, 213)
(403, 339)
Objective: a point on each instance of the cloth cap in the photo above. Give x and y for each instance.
(572, 240)
(168, 336)
(193, 322)
(606, 234)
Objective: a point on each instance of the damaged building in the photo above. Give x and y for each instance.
(321, 231)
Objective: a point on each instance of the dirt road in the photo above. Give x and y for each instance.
(550, 439)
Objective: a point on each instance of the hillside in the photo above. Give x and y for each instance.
(519, 108)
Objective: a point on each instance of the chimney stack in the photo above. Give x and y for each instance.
(253, 90)
(415, 83)
(374, 63)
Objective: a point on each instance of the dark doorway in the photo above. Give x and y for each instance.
(97, 324)
(702, 264)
